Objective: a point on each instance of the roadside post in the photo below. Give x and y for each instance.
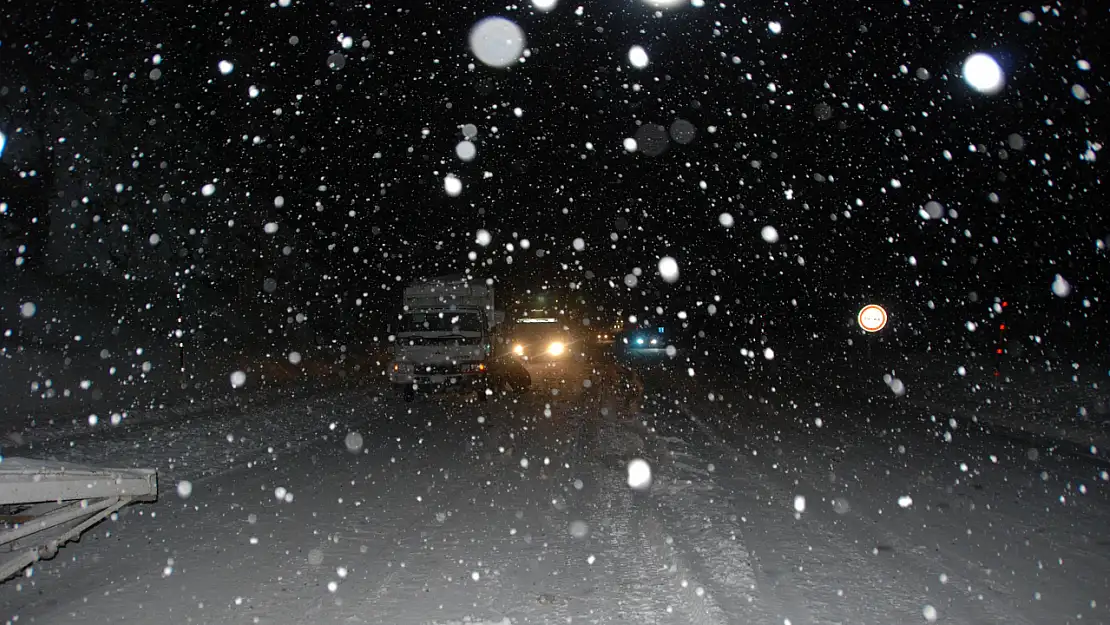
(872, 318)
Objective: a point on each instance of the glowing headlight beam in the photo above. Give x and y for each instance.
(556, 348)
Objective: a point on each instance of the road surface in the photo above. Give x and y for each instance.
(764, 506)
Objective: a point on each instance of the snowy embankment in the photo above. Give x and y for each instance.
(195, 443)
(1044, 398)
(69, 404)
(75, 358)
(1053, 402)
(1066, 403)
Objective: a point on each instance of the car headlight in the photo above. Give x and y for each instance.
(518, 350)
(555, 348)
(640, 341)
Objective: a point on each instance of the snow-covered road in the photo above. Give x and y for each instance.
(864, 510)
(358, 508)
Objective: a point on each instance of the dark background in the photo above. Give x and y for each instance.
(350, 156)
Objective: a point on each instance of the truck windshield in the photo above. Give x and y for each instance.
(441, 321)
(536, 329)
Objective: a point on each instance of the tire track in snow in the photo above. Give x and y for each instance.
(956, 598)
(706, 529)
(709, 529)
(509, 522)
(712, 566)
(638, 536)
(643, 577)
(740, 560)
(645, 562)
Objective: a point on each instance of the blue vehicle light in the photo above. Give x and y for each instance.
(640, 341)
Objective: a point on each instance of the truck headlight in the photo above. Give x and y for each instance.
(518, 350)
(556, 348)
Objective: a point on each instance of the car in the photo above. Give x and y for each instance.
(646, 339)
(537, 340)
(605, 337)
(640, 341)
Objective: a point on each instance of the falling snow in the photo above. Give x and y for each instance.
(496, 41)
(639, 474)
(983, 73)
(1060, 286)
(466, 151)
(668, 269)
(452, 185)
(238, 379)
(638, 57)
(217, 261)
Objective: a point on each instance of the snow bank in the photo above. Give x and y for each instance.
(202, 442)
(80, 353)
(1041, 395)
(1068, 404)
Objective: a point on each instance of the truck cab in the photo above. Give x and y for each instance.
(444, 337)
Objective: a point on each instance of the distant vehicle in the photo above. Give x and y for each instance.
(606, 336)
(645, 340)
(444, 336)
(540, 339)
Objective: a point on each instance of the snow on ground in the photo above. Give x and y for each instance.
(198, 442)
(75, 347)
(514, 511)
(1052, 397)
(76, 399)
(354, 507)
(1066, 403)
(856, 496)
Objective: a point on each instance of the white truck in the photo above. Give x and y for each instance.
(444, 336)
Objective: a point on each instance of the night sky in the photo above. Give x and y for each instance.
(836, 131)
